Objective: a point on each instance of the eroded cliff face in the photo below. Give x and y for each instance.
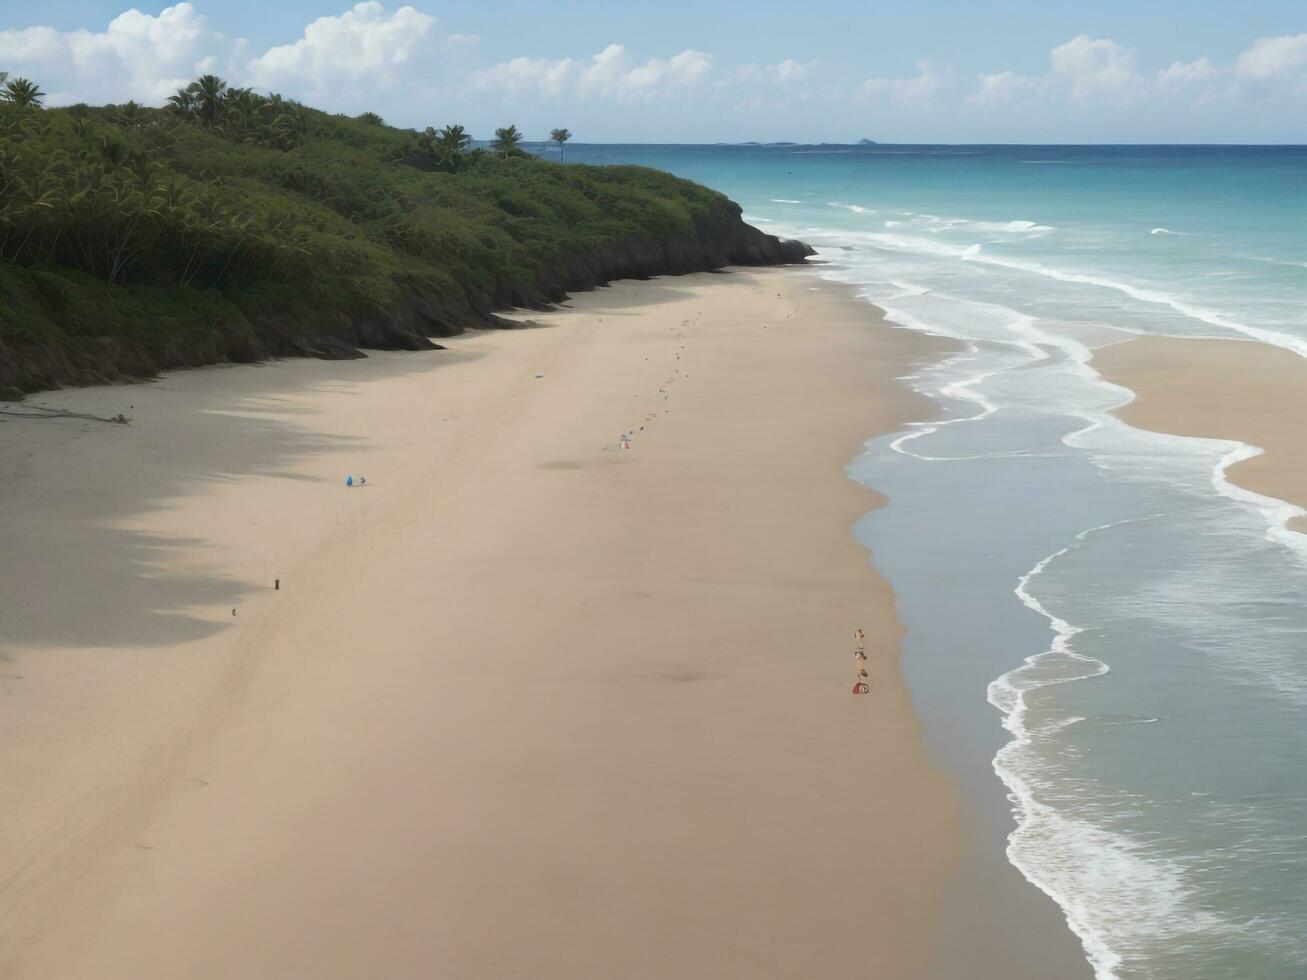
(426, 311)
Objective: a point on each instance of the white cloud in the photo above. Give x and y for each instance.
(1273, 56)
(916, 92)
(145, 57)
(788, 75)
(1097, 67)
(757, 89)
(390, 57)
(788, 72)
(365, 42)
(612, 75)
(1181, 73)
(1087, 70)
(1001, 88)
(526, 78)
(138, 56)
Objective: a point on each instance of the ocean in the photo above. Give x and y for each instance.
(1107, 641)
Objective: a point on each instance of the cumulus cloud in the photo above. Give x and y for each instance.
(365, 42)
(1097, 68)
(526, 78)
(1087, 70)
(612, 74)
(1001, 88)
(138, 56)
(1181, 73)
(915, 92)
(766, 88)
(145, 57)
(1270, 57)
(390, 57)
(788, 72)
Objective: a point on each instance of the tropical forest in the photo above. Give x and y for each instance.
(230, 225)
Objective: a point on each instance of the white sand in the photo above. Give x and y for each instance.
(526, 705)
(1222, 389)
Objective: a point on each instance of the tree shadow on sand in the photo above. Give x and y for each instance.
(70, 574)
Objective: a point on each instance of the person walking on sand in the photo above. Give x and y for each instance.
(859, 662)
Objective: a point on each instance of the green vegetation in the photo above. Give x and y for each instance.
(21, 93)
(560, 136)
(232, 225)
(507, 142)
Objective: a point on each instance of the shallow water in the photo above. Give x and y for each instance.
(1095, 616)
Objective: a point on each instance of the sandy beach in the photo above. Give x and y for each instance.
(526, 704)
(1221, 389)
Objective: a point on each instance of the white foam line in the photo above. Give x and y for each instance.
(960, 390)
(1276, 512)
(855, 208)
(1273, 337)
(1008, 694)
(974, 253)
(1075, 850)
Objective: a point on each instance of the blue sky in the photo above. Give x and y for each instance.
(944, 71)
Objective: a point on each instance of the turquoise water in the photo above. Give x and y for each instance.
(1106, 639)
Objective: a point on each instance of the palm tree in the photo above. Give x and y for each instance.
(244, 108)
(183, 103)
(130, 113)
(22, 93)
(450, 148)
(507, 142)
(560, 136)
(208, 91)
(283, 132)
(455, 138)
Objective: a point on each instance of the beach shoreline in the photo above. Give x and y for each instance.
(1241, 391)
(526, 703)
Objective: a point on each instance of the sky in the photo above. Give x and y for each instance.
(921, 71)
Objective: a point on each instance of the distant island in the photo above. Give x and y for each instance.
(232, 226)
(786, 143)
(862, 142)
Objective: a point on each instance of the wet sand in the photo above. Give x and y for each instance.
(1221, 389)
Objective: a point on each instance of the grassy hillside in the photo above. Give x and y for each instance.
(235, 227)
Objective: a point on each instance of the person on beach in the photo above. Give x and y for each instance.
(860, 662)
